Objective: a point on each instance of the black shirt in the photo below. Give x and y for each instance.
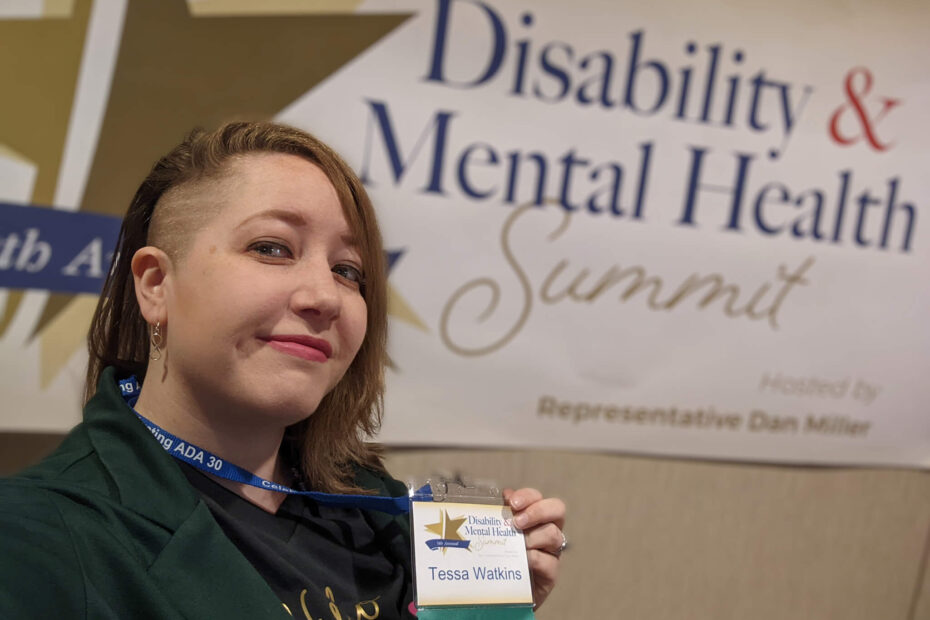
(321, 561)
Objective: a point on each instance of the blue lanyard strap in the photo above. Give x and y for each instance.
(205, 461)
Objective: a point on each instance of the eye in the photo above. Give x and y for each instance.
(271, 249)
(351, 274)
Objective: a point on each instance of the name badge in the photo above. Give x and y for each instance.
(468, 554)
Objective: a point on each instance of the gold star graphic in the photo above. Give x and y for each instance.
(398, 307)
(447, 528)
(38, 73)
(176, 71)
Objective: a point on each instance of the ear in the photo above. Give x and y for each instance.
(151, 269)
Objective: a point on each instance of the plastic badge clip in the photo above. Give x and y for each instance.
(455, 488)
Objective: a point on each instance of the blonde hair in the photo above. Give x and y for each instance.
(331, 443)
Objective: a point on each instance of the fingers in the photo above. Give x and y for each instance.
(546, 537)
(544, 568)
(521, 498)
(537, 511)
(541, 520)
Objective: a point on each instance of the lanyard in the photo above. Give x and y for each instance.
(205, 461)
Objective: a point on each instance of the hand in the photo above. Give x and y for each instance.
(541, 520)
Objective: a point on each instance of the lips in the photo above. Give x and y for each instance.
(305, 347)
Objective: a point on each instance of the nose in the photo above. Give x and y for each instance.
(316, 292)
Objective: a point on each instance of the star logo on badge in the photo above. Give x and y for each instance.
(447, 528)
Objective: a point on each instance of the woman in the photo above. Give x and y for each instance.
(248, 299)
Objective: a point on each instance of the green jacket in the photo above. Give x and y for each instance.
(108, 527)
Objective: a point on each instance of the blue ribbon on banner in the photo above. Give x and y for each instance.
(439, 543)
(55, 250)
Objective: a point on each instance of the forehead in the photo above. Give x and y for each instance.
(278, 184)
(278, 176)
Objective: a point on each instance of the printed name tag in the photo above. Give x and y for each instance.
(468, 554)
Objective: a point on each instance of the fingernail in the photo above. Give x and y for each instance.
(516, 503)
(520, 520)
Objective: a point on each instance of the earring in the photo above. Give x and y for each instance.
(156, 342)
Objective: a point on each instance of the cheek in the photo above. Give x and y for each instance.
(191, 326)
(211, 309)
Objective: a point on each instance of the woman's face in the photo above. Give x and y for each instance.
(264, 309)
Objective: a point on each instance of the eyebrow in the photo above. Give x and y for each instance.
(294, 219)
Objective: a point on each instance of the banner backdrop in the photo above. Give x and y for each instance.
(674, 228)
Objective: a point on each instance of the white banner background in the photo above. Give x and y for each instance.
(607, 373)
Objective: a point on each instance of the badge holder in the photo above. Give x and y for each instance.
(469, 560)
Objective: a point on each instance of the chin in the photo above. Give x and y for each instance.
(297, 410)
(279, 409)
(281, 394)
